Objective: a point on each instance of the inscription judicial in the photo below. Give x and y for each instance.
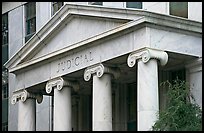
(75, 61)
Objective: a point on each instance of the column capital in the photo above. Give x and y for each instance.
(99, 70)
(23, 95)
(146, 54)
(59, 83)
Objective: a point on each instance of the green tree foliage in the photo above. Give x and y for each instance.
(180, 114)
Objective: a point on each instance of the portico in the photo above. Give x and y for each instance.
(92, 74)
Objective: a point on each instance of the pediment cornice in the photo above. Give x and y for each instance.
(134, 16)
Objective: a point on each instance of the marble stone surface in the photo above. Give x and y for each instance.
(43, 114)
(196, 87)
(102, 103)
(114, 4)
(158, 7)
(16, 30)
(73, 32)
(174, 41)
(30, 78)
(145, 120)
(62, 109)
(27, 115)
(194, 77)
(147, 94)
(43, 13)
(12, 109)
(160, 39)
(9, 6)
(82, 58)
(195, 14)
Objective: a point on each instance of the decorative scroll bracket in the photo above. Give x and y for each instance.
(23, 95)
(99, 70)
(146, 55)
(59, 83)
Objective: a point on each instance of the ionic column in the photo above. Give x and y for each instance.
(102, 96)
(26, 109)
(62, 103)
(147, 85)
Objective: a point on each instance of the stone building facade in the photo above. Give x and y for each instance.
(85, 66)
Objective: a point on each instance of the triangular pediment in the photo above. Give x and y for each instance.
(71, 24)
(76, 25)
(79, 28)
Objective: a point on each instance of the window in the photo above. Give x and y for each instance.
(30, 12)
(5, 126)
(4, 38)
(4, 91)
(96, 3)
(56, 6)
(180, 74)
(4, 72)
(4, 54)
(170, 75)
(137, 5)
(179, 9)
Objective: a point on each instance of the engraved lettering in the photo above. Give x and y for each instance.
(81, 58)
(91, 59)
(85, 57)
(62, 64)
(68, 64)
(72, 62)
(76, 61)
(58, 67)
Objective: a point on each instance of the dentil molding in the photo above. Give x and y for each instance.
(147, 54)
(59, 83)
(23, 95)
(99, 70)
